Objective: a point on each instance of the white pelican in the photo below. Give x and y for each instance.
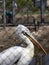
(20, 54)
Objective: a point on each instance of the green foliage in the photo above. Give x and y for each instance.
(20, 3)
(8, 4)
(23, 3)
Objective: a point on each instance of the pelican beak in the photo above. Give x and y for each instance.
(35, 42)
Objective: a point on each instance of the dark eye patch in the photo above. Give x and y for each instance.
(25, 33)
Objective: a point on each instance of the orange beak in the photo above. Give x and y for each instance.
(36, 43)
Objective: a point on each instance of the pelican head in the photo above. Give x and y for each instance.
(23, 34)
(21, 30)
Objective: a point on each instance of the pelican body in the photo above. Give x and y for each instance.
(23, 55)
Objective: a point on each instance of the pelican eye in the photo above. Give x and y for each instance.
(25, 33)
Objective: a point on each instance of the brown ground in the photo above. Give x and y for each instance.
(8, 37)
(42, 35)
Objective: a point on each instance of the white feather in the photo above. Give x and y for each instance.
(25, 55)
